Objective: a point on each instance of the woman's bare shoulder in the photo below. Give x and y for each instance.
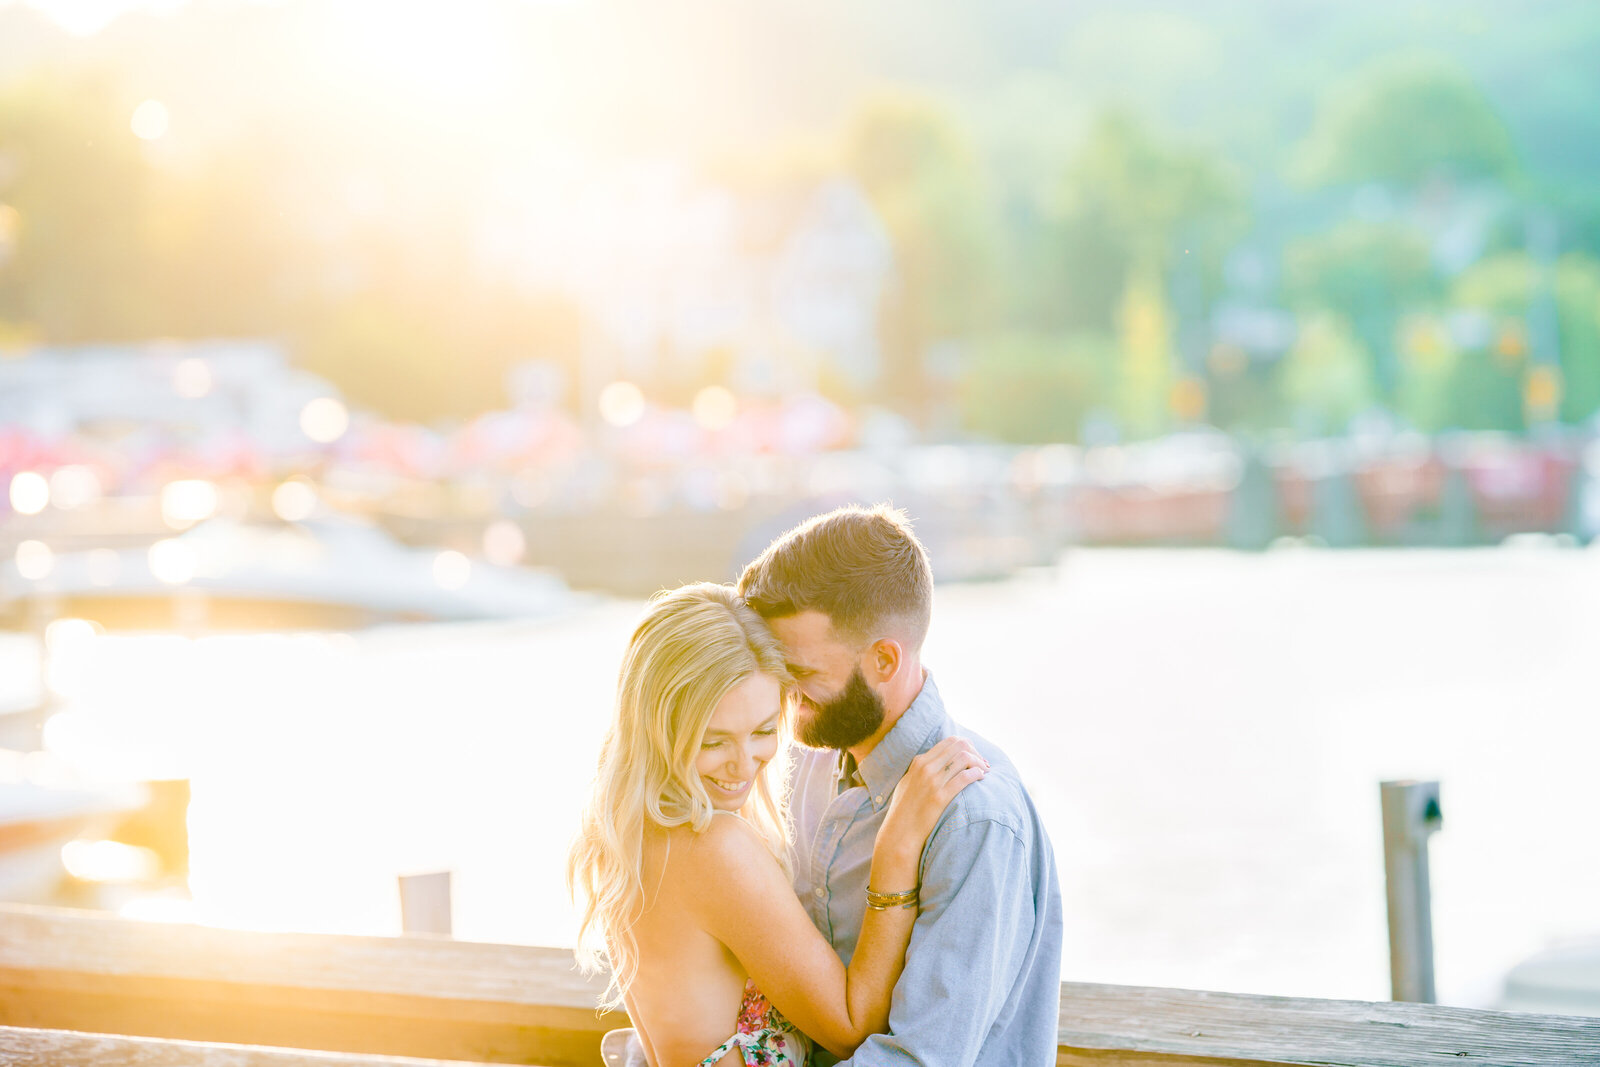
(728, 846)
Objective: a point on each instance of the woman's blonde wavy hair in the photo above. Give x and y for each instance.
(693, 645)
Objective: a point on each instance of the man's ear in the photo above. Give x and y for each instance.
(883, 660)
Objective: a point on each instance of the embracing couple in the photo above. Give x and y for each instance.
(884, 894)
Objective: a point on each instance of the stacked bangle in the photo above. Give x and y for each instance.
(905, 898)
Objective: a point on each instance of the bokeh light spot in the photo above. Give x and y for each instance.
(10, 227)
(621, 404)
(171, 561)
(109, 861)
(503, 543)
(29, 492)
(65, 634)
(324, 420)
(150, 120)
(294, 500)
(73, 486)
(715, 407)
(191, 378)
(451, 569)
(187, 501)
(35, 561)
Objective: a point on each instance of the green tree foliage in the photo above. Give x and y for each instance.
(1486, 392)
(1134, 207)
(1429, 363)
(1359, 269)
(390, 358)
(918, 169)
(1403, 120)
(1144, 376)
(1577, 293)
(221, 257)
(1507, 287)
(1368, 274)
(71, 171)
(1064, 211)
(1035, 387)
(1134, 202)
(441, 358)
(1326, 377)
(1485, 388)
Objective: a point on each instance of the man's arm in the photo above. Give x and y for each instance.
(967, 949)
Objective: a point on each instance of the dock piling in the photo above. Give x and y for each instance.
(425, 903)
(1410, 815)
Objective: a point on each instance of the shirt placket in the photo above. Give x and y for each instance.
(831, 832)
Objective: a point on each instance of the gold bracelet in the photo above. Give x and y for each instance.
(905, 898)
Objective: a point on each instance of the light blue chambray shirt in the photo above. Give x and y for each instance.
(982, 981)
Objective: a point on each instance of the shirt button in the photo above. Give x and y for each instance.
(819, 892)
(878, 799)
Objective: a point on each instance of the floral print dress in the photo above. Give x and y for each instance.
(763, 1036)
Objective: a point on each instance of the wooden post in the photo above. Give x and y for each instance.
(425, 903)
(1410, 814)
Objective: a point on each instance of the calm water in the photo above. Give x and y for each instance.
(1204, 733)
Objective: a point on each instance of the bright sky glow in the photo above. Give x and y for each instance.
(150, 120)
(84, 18)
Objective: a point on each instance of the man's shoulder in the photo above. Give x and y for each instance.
(1001, 797)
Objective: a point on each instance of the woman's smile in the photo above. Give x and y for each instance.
(740, 740)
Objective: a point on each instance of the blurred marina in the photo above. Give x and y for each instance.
(364, 366)
(111, 452)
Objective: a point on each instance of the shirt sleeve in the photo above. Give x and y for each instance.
(967, 949)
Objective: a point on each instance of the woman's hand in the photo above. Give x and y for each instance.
(934, 779)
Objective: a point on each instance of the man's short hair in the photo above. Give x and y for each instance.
(861, 567)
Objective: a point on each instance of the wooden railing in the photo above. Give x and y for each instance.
(77, 987)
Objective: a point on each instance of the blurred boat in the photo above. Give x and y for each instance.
(1564, 980)
(325, 572)
(42, 809)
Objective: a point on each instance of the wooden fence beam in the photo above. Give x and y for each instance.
(1132, 1026)
(410, 996)
(458, 1000)
(21, 1047)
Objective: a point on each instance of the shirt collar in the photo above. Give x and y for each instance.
(891, 758)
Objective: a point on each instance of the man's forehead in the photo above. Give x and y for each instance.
(806, 635)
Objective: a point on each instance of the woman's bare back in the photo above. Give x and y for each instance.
(689, 987)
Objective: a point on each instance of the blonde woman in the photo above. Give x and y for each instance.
(681, 866)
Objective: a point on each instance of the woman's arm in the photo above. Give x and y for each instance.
(745, 902)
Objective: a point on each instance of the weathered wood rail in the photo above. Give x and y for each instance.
(77, 987)
(21, 1047)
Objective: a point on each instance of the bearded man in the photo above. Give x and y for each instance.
(850, 595)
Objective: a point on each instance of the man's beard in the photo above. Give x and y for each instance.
(848, 719)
